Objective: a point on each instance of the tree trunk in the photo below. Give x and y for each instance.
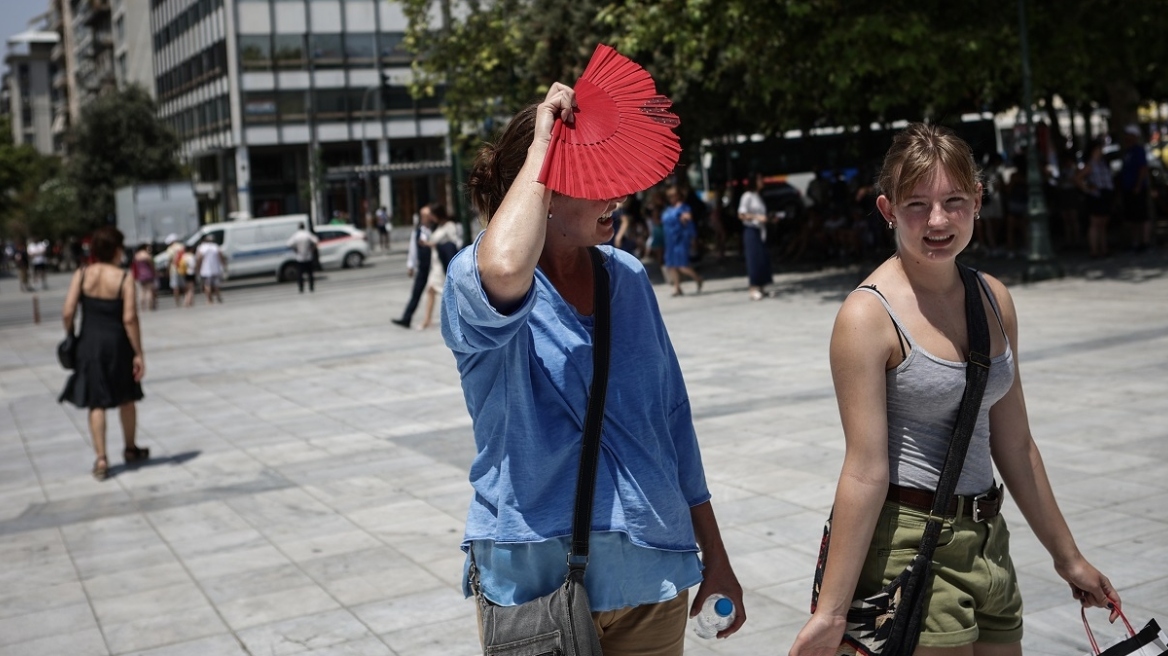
(1124, 102)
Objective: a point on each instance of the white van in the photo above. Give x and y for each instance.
(260, 246)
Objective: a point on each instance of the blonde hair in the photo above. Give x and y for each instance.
(914, 155)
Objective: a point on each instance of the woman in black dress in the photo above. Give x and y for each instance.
(109, 359)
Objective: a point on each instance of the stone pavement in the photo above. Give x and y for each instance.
(308, 486)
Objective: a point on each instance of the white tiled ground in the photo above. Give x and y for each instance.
(309, 482)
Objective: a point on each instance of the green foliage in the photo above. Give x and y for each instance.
(119, 141)
(22, 171)
(53, 212)
(744, 66)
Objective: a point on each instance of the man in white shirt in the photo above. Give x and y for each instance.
(418, 263)
(38, 257)
(304, 243)
(211, 264)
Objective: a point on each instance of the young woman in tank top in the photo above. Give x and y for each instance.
(898, 354)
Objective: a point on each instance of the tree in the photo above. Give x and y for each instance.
(744, 66)
(119, 141)
(498, 56)
(22, 171)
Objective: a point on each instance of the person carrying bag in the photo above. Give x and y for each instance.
(524, 313)
(918, 560)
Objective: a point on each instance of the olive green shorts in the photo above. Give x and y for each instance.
(974, 596)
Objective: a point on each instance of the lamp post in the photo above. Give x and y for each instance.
(365, 158)
(1041, 263)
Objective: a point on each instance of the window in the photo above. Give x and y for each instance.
(326, 50)
(291, 105)
(359, 48)
(391, 45)
(259, 107)
(255, 51)
(330, 103)
(399, 99)
(289, 50)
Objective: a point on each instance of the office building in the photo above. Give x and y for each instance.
(274, 99)
(29, 90)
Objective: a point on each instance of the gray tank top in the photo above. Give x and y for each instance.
(924, 392)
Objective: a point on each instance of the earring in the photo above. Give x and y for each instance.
(891, 225)
(976, 216)
(549, 215)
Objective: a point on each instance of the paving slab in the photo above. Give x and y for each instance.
(308, 482)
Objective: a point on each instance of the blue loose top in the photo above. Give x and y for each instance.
(526, 377)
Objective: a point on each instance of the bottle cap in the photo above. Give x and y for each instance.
(724, 607)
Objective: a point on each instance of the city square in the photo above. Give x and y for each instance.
(308, 483)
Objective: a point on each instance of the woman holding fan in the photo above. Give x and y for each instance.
(518, 313)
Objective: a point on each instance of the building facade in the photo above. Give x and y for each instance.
(29, 88)
(278, 103)
(133, 44)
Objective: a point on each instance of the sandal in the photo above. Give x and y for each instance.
(101, 468)
(134, 454)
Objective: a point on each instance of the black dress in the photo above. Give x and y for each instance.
(104, 376)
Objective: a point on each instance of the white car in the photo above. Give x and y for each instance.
(340, 246)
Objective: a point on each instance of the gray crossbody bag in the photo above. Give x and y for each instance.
(560, 623)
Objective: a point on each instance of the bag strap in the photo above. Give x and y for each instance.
(977, 371)
(590, 453)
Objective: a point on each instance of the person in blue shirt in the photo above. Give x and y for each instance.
(517, 313)
(680, 235)
(1133, 185)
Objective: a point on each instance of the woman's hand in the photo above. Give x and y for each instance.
(820, 636)
(1089, 585)
(560, 103)
(139, 368)
(719, 578)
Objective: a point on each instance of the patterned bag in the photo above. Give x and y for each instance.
(887, 623)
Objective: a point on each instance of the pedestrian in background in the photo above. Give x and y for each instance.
(304, 244)
(681, 235)
(211, 265)
(20, 256)
(444, 242)
(418, 263)
(753, 214)
(174, 256)
(1133, 188)
(38, 257)
(899, 383)
(1098, 188)
(381, 218)
(518, 315)
(144, 276)
(110, 363)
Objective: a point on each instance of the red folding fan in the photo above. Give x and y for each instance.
(622, 139)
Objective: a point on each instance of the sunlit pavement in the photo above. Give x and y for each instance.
(307, 487)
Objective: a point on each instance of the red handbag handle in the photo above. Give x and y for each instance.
(1090, 636)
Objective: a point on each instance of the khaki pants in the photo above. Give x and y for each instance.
(652, 630)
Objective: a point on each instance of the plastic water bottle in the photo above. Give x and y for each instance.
(717, 614)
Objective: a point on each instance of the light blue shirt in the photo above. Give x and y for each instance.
(526, 376)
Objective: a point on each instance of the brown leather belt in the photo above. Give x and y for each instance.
(979, 508)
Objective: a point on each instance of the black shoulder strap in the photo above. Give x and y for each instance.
(589, 454)
(122, 283)
(977, 371)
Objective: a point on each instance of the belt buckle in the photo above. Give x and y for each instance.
(976, 510)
